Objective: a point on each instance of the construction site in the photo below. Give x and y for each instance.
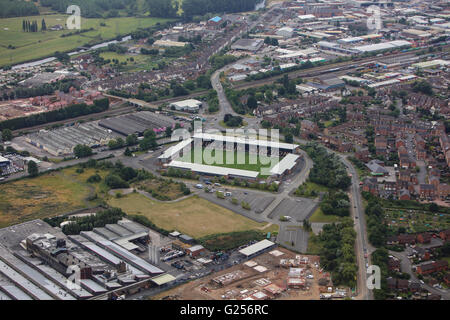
(278, 274)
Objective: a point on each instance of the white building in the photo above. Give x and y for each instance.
(190, 105)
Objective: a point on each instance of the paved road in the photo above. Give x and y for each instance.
(362, 245)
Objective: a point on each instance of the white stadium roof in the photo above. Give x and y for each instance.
(232, 139)
(170, 152)
(287, 163)
(222, 171)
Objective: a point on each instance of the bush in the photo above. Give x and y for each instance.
(115, 182)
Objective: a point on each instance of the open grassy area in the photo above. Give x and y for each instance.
(194, 216)
(141, 62)
(161, 189)
(310, 189)
(34, 45)
(319, 216)
(47, 195)
(230, 159)
(313, 244)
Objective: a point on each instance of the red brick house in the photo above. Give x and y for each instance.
(445, 235)
(424, 237)
(427, 191)
(431, 267)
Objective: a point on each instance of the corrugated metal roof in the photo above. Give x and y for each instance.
(202, 168)
(254, 248)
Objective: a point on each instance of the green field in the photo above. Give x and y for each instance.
(35, 45)
(141, 62)
(310, 190)
(230, 159)
(47, 195)
(319, 216)
(194, 216)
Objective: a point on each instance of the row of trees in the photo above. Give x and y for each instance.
(192, 8)
(337, 253)
(32, 26)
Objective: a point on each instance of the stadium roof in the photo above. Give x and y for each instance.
(257, 247)
(287, 163)
(207, 169)
(170, 152)
(232, 139)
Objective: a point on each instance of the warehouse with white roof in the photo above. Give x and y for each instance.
(190, 105)
(257, 248)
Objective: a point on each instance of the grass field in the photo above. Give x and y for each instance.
(194, 216)
(231, 159)
(319, 216)
(34, 45)
(47, 195)
(310, 189)
(141, 62)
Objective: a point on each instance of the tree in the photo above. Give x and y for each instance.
(163, 8)
(127, 152)
(131, 140)
(82, 151)
(6, 135)
(289, 138)
(252, 103)
(43, 25)
(32, 168)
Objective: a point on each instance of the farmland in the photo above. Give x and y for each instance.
(194, 216)
(24, 46)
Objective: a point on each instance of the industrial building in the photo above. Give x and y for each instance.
(39, 262)
(137, 123)
(248, 44)
(62, 141)
(4, 162)
(190, 105)
(257, 248)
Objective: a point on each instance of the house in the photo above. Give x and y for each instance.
(403, 285)
(370, 185)
(445, 235)
(394, 264)
(376, 169)
(443, 190)
(431, 267)
(427, 191)
(404, 194)
(424, 237)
